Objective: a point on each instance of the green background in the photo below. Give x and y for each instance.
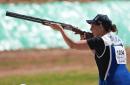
(21, 34)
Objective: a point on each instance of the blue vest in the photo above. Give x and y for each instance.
(116, 72)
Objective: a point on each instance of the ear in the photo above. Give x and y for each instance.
(101, 27)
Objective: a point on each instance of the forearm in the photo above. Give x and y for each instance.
(82, 44)
(69, 42)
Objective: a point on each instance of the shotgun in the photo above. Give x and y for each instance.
(84, 34)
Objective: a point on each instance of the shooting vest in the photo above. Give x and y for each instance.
(110, 57)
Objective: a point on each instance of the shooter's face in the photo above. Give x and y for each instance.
(97, 30)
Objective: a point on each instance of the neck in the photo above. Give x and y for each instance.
(104, 32)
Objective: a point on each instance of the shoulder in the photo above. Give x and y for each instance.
(111, 39)
(95, 42)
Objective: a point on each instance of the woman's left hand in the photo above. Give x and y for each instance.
(56, 26)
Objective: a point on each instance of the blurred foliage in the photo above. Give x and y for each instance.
(39, 1)
(23, 34)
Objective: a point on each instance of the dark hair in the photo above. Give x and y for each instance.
(111, 27)
(114, 28)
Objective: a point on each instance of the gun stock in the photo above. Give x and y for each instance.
(45, 22)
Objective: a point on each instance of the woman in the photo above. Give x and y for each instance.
(110, 54)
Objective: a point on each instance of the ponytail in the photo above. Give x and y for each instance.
(114, 28)
(110, 27)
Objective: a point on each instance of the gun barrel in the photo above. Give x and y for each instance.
(25, 17)
(43, 21)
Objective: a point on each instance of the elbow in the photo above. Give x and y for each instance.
(72, 46)
(78, 46)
